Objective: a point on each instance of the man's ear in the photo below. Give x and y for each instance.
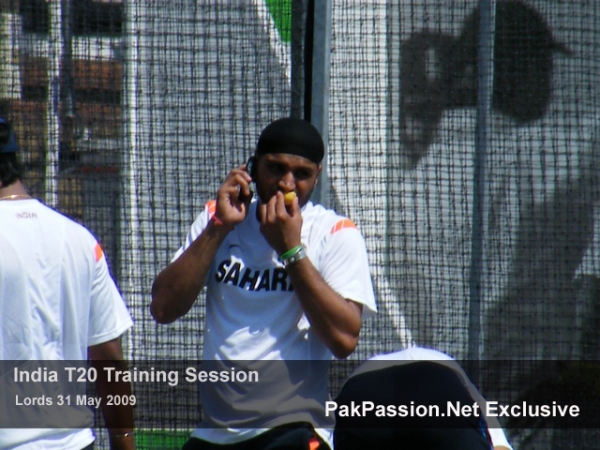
(319, 169)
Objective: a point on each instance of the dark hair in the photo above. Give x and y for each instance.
(11, 169)
(4, 133)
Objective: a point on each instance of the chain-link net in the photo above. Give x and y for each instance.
(130, 114)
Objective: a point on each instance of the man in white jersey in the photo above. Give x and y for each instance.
(285, 283)
(57, 303)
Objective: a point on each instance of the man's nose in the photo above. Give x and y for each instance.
(287, 182)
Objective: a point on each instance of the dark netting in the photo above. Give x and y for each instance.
(131, 113)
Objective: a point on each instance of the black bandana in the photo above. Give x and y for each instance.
(291, 136)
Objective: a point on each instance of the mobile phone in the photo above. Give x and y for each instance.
(251, 169)
(251, 166)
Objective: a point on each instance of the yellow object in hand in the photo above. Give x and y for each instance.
(288, 198)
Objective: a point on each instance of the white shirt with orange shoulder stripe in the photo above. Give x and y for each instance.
(56, 299)
(253, 314)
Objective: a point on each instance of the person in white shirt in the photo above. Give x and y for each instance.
(286, 281)
(57, 303)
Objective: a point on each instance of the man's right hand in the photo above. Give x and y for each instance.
(234, 196)
(177, 286)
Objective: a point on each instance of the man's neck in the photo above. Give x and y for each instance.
(15, 189)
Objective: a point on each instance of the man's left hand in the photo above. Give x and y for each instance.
(280, 224)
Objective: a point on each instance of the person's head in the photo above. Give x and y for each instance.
(11, 169)
(288, 158)
(523, 60)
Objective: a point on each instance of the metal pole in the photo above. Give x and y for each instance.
(68, 88)
(134, 14)
(297, 57)
(55, 48)
(319, 88)
(479, 222)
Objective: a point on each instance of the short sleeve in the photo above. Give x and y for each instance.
(344, 265)
(109, 317)
(197, 227)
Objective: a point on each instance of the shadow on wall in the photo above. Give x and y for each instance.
(545, 309)
(439, 72)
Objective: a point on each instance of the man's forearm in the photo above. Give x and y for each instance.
(118, 416)
(176, 288)
(336, 320)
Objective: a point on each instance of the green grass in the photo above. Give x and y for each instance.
(160, 439)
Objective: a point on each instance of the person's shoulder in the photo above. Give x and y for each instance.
(52, 216)
(328, 220)
(208, 211)
(74, 226)
(414, 353)
(75, 233)
(407, 356)
(211, 206)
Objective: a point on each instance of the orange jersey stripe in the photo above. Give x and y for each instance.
(344, 223)
(212, 208)
(98, 252)
(313, 444)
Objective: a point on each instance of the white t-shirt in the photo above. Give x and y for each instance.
(415, 354)
(56, 299)
(252, 314)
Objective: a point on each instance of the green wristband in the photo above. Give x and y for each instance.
(295, 257)
(291, 252)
